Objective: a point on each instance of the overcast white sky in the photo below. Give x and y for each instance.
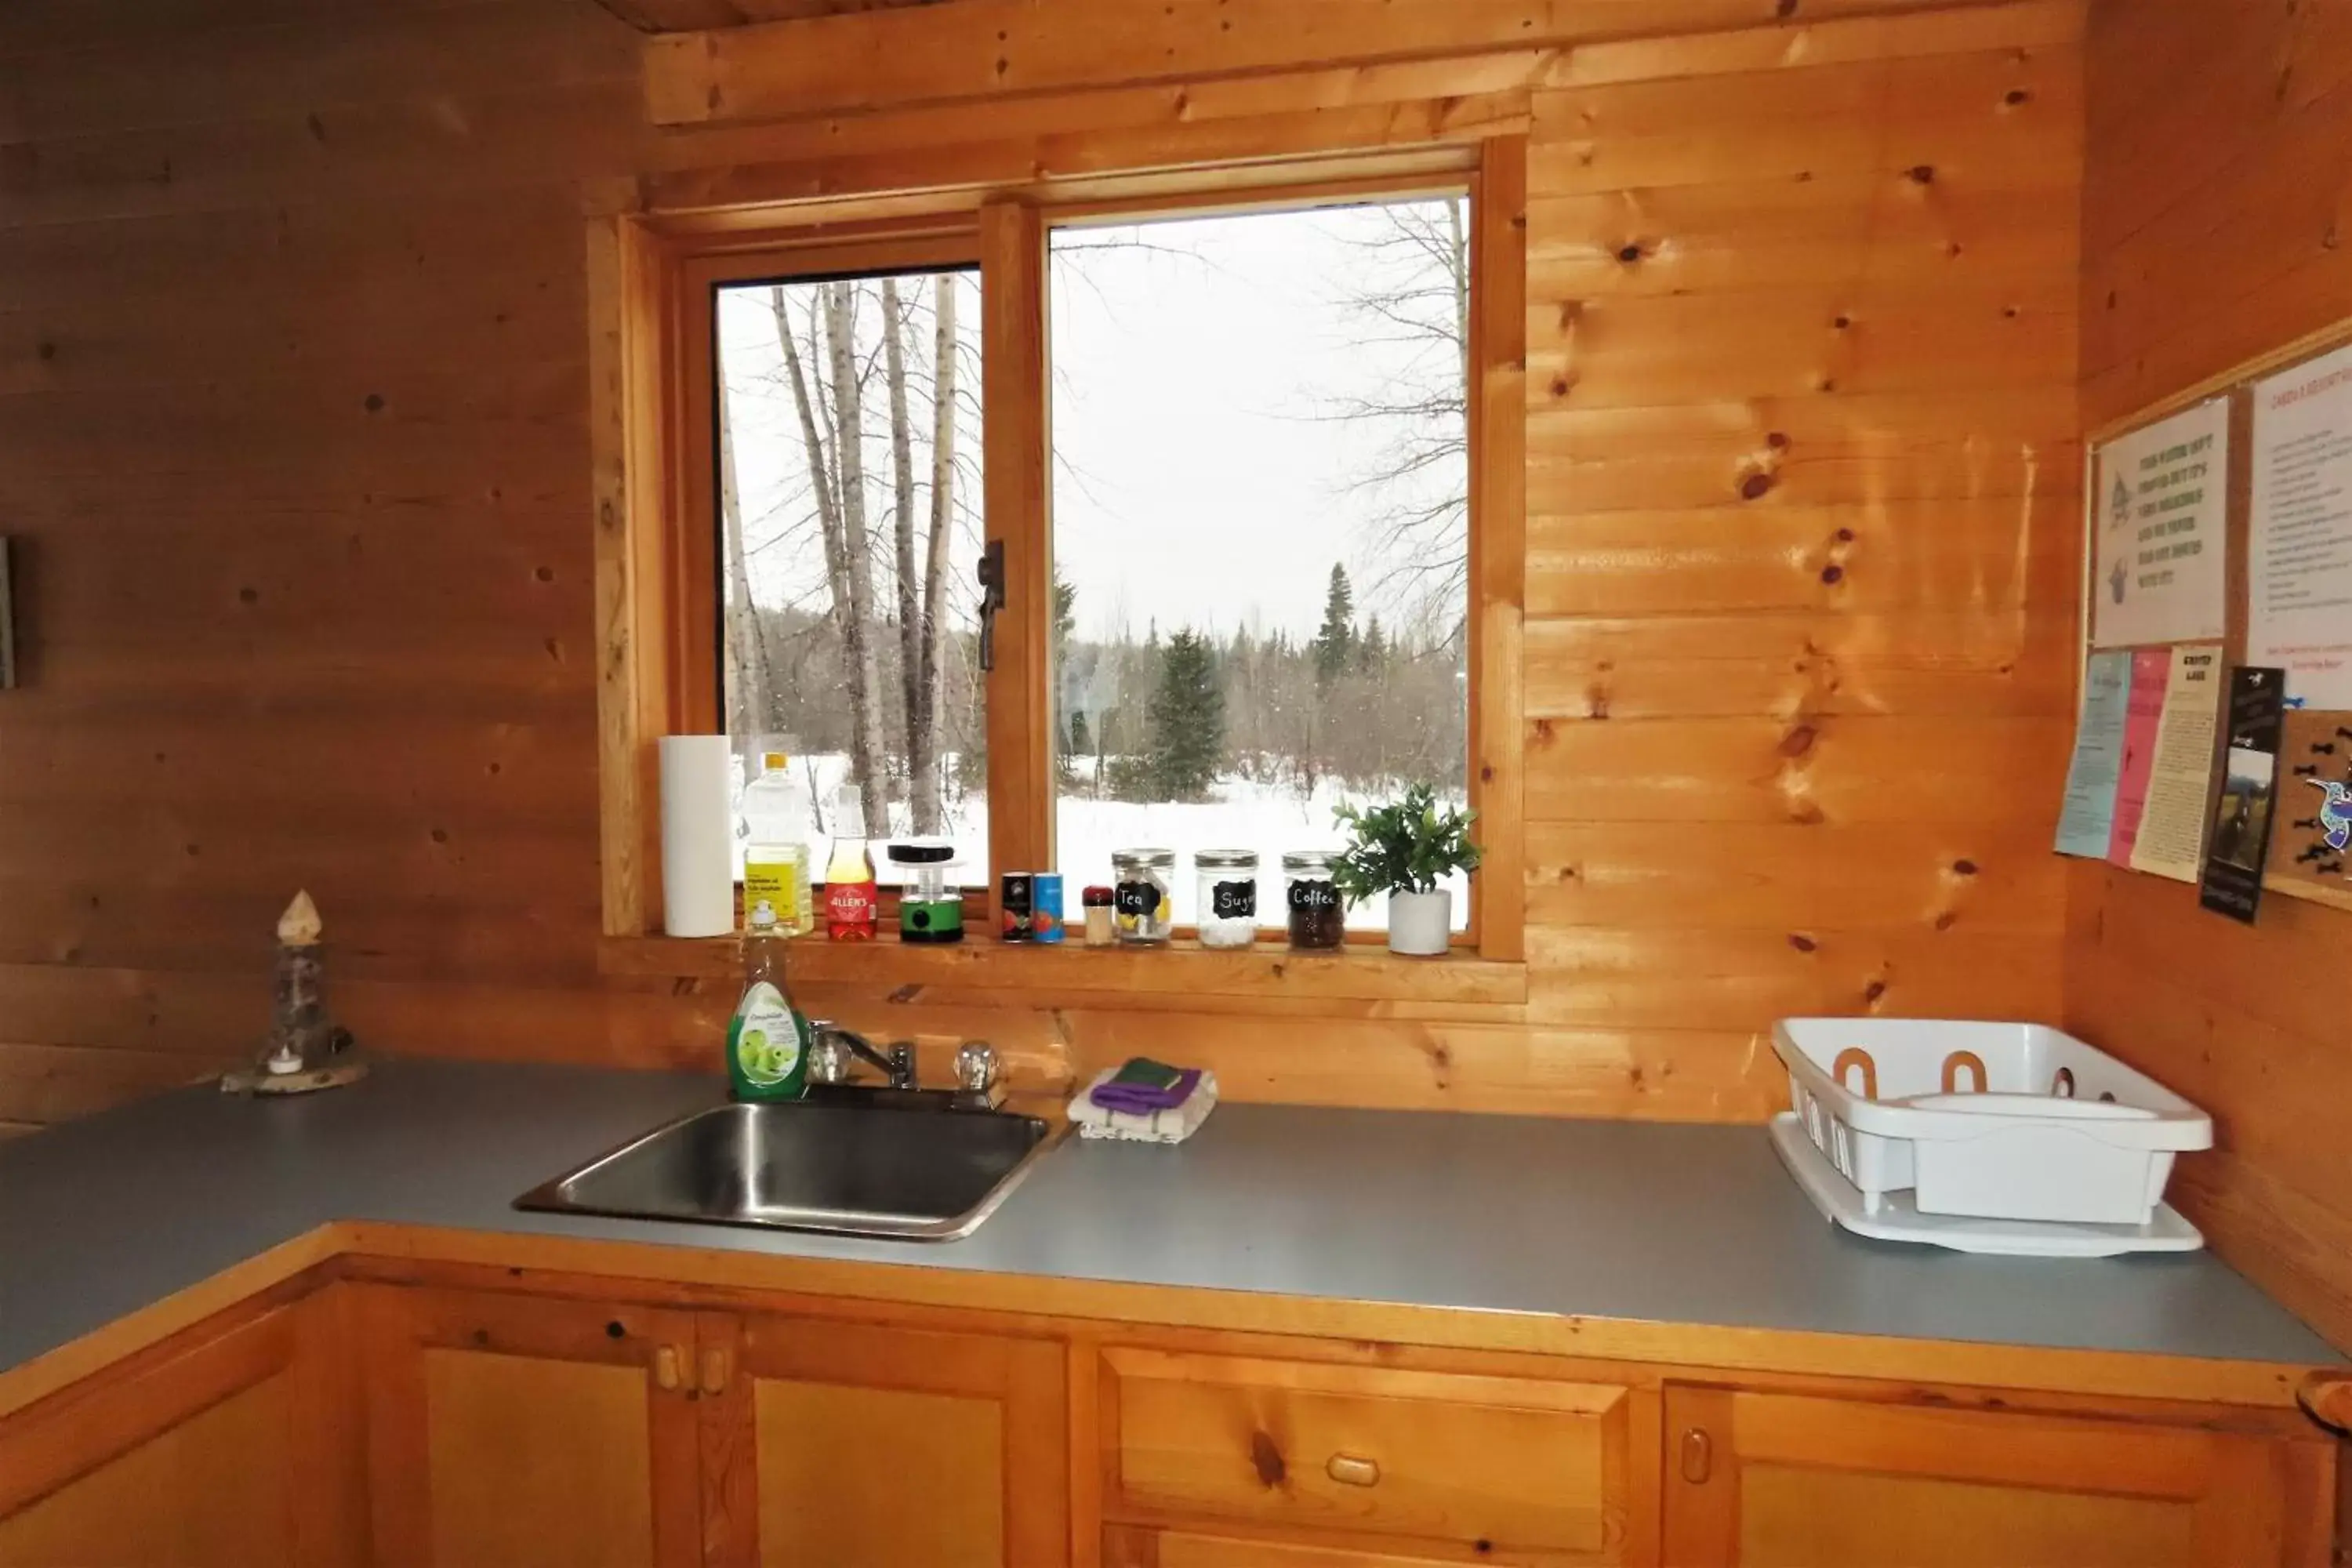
(1195, 481)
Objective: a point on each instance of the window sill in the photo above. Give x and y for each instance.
(1361, 973)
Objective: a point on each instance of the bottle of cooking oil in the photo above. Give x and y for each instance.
(776, 822)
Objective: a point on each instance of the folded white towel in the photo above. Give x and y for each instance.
(1170, 1126)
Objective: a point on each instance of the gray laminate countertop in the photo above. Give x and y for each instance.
(1603, 1219)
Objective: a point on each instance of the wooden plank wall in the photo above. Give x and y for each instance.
(2217, 200)
(293, 430)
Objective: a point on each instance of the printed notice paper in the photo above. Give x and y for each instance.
(2151, 667)
(2240, 845)
(2091, 778)
(2299, 552)
(2171, 840)
(2162, 531)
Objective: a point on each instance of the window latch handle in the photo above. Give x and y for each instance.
(991, 599)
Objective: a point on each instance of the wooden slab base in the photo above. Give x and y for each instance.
(348, 1068)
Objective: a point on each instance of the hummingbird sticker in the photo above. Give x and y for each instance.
(2334, 812)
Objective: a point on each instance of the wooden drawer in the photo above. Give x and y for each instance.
(1132, 1548)
(1507, 1466)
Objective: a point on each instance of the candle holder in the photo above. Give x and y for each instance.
(307, 1050)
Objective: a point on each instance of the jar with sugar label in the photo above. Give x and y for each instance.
(1228, 891)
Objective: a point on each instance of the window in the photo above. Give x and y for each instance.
(1261, 527)
(1220, 440)
(848, 452)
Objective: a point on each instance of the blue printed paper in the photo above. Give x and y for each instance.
(2089, 815)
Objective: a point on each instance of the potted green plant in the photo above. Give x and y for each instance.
(1402, 849)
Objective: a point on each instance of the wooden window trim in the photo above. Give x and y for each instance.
(650, 275)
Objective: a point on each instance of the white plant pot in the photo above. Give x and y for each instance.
(1421, 924)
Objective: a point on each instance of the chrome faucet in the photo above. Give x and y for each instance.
(897, 1063)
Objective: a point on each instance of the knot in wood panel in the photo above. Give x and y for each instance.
(1265, 1459)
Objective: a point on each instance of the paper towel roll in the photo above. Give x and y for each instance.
(698, 835)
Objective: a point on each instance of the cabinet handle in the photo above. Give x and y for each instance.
(1351, 1471)
(714, 1370)
(1698, 1456)
(668, 1372)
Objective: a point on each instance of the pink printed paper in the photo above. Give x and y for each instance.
(2151, 670)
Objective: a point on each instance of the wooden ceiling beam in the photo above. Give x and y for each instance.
(676, 15)
(697, 16)
(978, 50)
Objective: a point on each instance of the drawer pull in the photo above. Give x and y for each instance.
(714, 1370)
(1698, 1457)
(667, 1373)
(1349, 1470)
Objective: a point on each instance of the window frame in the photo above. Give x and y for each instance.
(659, 597)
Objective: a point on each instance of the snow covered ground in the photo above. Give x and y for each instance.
(1243, 815)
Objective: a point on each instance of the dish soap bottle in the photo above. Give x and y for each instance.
(768, 1038)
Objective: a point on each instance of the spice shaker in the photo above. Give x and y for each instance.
(1101, 929)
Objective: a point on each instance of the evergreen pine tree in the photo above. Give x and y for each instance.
(1335, 645)
(1372, 652)
(1188, 719)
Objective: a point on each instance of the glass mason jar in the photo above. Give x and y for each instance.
(1318, 921)
(1228, 889)
(1140, 906)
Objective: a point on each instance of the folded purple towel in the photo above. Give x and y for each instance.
(1142, 1099)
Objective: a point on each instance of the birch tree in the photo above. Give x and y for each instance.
(857, 359)
(923, 709)
(753, 681)
(856, 584)
(1413, 289)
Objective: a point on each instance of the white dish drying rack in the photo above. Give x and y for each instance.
(1987, 1124)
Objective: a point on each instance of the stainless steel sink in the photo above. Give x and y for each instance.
(913, 1164)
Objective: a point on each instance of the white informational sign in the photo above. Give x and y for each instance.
(2299, 548)
(2162, 525)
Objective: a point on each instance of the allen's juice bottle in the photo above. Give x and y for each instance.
(852, 902)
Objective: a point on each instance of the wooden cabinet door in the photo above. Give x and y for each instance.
(529, 1432)
(837, 1443)
(224, 1448)
(1772, 1481)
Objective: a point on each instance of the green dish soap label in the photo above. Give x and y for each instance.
(766, 1046)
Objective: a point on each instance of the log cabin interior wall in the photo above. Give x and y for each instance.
(296, 443)
(2217, 199)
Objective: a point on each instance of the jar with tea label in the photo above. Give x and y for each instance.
(1318, 921)
(1228, 889)
(1140, 908)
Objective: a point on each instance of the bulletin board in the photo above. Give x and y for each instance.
(2269, 444)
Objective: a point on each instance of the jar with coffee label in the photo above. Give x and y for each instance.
(1228, 889)
(1318, 920)
(1140, 908)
